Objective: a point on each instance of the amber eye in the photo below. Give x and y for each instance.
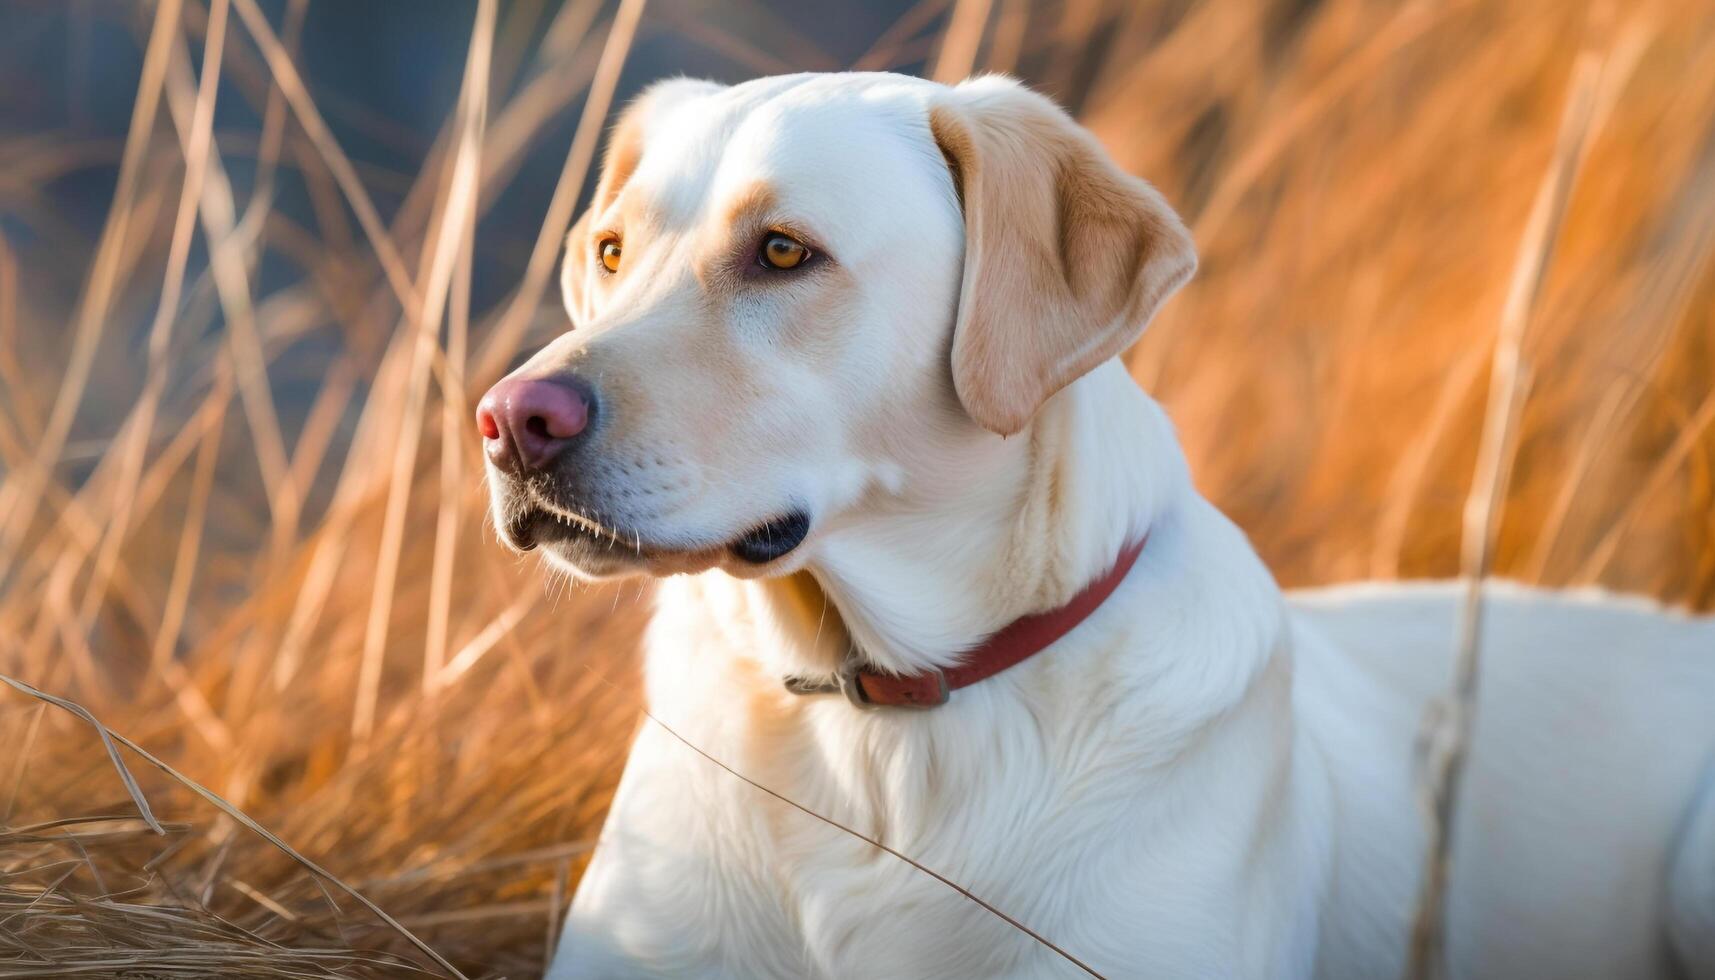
(607, 252)
(782, 251)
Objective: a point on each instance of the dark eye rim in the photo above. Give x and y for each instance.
(810, 253)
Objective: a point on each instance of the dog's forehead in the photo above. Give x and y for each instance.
(825, 146)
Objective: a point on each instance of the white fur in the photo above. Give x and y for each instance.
(1174, 811)
(1204, 779)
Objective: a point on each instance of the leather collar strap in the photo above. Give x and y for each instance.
(1013, 644)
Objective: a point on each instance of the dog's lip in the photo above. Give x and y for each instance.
(517, 532)
(773, 539)
(538, 523)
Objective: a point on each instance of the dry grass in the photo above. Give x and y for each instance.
(295, 601)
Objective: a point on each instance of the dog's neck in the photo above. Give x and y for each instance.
(1013, 527)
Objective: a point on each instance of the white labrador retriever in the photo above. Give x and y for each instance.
(845, 353)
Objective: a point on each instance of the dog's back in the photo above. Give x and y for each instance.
(1584, 845)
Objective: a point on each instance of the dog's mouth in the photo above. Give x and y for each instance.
(600, 547)
(773, 539)
(532, 525)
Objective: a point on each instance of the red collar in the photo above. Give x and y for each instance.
(1011, 645)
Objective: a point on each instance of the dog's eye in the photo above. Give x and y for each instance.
(607, 253)
(782, 251)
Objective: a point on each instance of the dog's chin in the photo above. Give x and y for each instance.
(589, 550)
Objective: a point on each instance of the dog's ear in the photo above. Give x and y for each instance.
(1066, 256)
(624, 152)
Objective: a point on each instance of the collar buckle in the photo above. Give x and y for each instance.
(926, 690)
(851, 685)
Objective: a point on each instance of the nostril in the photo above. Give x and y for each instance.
(563, 416)
(486, 424)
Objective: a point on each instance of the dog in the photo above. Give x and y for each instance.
(844, 373)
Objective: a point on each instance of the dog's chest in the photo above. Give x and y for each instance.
(1070, 826)
(1102, 877)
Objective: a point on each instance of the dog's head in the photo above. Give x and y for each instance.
(793, 296)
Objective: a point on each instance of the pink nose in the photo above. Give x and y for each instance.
(527, 422)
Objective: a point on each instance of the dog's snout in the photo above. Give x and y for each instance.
(526, 423)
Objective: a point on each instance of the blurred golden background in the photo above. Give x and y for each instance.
(258, 258)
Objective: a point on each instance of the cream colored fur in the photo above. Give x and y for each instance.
(1205, 778)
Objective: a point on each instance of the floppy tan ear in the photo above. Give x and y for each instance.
(1066, 256)
(624, 152)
